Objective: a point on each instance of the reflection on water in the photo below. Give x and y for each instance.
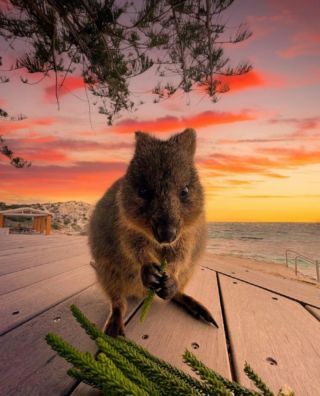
(267, 241)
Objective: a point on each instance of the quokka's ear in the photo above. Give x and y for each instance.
(142, 140)
(186, 140)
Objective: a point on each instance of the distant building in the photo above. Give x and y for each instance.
(26, 220)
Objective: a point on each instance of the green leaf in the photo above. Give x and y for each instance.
(148, 300)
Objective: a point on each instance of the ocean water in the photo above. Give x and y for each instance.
(267, 242)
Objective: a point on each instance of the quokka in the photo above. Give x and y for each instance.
(155, 211)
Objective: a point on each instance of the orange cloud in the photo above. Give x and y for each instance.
(293, 157)
(7, 126)
(53, 149)
(239, 182)
(253, 79)
(83, 179)
(228, 163)
(71, 83)
(170, 123)
(245, 81)
(278, 158)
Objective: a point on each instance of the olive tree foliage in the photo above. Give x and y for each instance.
(109, 42)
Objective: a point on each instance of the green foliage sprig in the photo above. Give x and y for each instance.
(124, 368)
(150, 296)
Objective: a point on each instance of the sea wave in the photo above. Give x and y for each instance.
(266, 241)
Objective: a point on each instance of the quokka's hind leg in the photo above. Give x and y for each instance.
(195, 308)
(115, 325)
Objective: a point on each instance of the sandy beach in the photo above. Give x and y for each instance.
(266, 267)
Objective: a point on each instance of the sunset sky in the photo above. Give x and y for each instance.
(258, 150)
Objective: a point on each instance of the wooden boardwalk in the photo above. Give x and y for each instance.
(271, 322)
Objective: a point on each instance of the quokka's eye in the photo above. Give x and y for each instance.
(184, 192)
(143, 192)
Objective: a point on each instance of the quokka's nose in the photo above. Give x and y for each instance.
(166, 234)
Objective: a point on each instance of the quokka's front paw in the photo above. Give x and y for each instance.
(151, 276)
(168, 287)
(162, 283)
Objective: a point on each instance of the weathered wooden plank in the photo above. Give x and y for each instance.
(32, 259)
(37, 247)
(295, 289)
(277, 336)
(25, 303)
(29, 276)
(168, 331)
(12, 241)
(28, 366)
(85, 390)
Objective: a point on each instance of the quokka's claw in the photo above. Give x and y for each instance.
(210, 320)
(115, 325)
(151, 276)
(114, 329)
(168, 287)
(195, 308)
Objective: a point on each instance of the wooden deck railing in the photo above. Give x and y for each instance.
(302, 257)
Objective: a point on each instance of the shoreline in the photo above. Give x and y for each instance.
(267, 267)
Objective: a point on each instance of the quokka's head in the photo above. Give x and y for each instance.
(161, 192)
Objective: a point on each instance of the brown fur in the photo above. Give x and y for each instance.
(147, 202)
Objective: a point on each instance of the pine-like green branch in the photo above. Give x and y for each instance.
(170, 384)
(192, 382)
(213, 379)
(90, 328)
(129, 369)
(106, 374)
(257, 380)
(125, 368)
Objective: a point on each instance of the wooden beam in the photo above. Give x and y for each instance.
(42, 225)
(36, 224)
(1, 220)
(48, 225)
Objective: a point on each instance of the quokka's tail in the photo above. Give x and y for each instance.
(195, 308)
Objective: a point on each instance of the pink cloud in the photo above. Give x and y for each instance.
(8, 127)
(71, 84)
(170, 123)
(303, 43)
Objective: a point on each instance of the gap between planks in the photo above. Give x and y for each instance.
(24, 304)
(31, 260)
(290, 297)
(29, 276)
(275, 335)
